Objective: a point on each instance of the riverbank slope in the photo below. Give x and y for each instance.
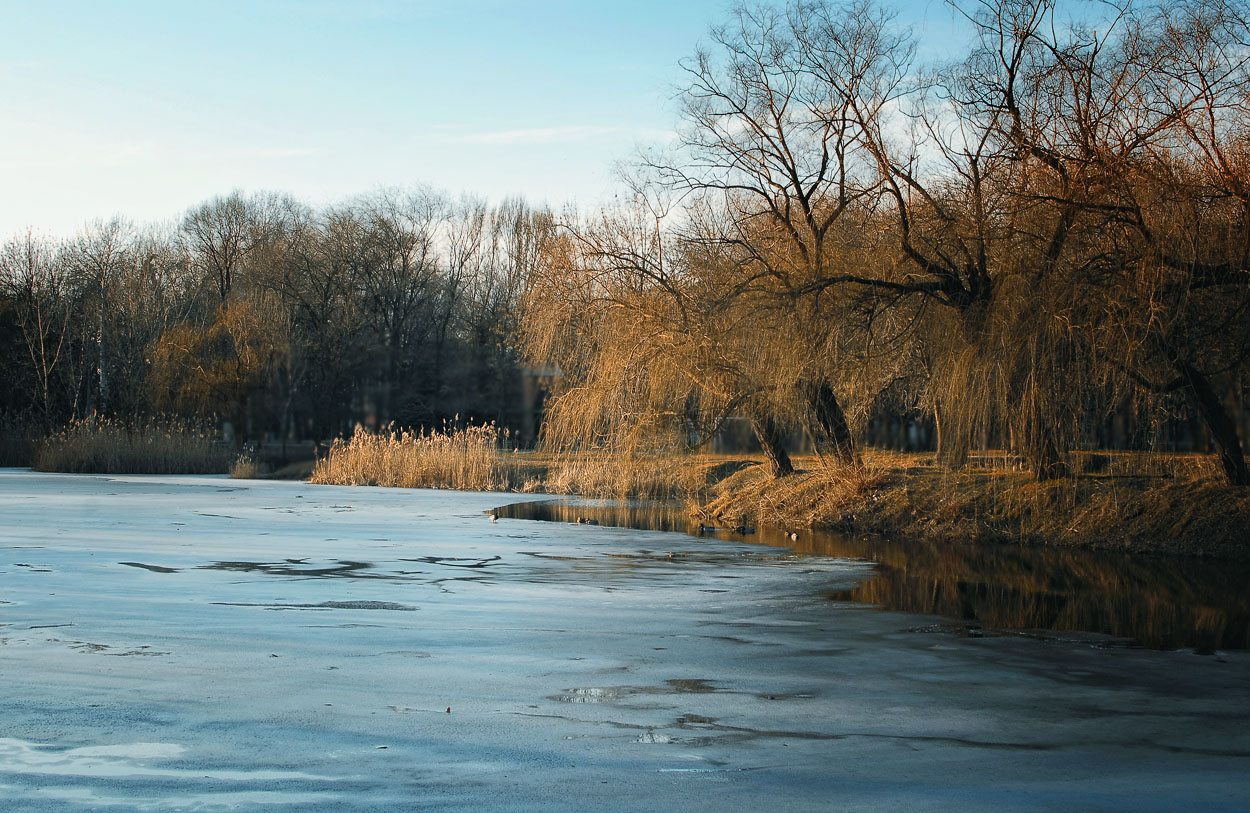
(907, 495)
(1137, 502)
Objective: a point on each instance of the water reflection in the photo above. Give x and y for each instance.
(1159, 602)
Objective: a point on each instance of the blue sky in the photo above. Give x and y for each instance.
(145, 108)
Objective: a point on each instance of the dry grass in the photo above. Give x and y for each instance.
(115, 447)
(248, 467)
(470, 459)
(1186, 466)
(817, 495)
(476, 459)
(1182, 507)
(651, 477)
(1129, 501)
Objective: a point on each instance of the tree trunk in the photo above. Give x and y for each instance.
(101, 363)
(952, 447)
(1044, 458)
(1041, 450)
(1218, 422)
(831, 420)
(769, 435)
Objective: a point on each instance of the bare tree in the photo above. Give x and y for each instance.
(393, 235)
(98, 256)
(39, 285)
(1127, 209)
(775, 150)
(220, 233)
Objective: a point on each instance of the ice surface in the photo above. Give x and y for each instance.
(204, 643)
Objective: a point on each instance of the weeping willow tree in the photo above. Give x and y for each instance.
(775, 164)
(1127, 192)
(872, 219)
(1052, 223)
(1175, 319)
(662, 333)
(753, 301)
(653, 355)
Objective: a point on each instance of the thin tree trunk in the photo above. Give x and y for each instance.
(831, 420)
(1041, 450)
(101, 364)
(952, 448)
(1046, 461)
(769, 435)
(1218, 422)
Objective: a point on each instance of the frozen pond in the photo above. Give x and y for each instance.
(204, 643)
(1161, 602)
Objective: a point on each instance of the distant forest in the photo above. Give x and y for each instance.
(1041, 244)
(284, 321)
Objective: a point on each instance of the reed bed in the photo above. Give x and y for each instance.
(153, 446)
(467, 459)
(248, 466)
(478, 459)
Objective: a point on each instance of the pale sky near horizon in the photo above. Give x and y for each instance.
(144, 108)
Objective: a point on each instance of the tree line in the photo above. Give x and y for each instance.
(283, 320)
(1018, 243)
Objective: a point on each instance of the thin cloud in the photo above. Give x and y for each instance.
(275, 152)
(538, 135)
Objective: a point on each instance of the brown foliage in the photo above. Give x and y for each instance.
(214, 369)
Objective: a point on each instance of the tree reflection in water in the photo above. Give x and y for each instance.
(1157, 602)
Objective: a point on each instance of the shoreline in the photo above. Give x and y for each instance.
(1199, 518)
(1134, 502)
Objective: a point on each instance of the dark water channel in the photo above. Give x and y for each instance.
(1155, 602)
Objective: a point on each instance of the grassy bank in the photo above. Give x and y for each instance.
(1172, 504)
(117, 447)
(1140, 503)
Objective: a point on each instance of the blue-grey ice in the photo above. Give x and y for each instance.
(202, 643)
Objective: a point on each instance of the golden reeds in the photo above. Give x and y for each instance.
(153, 446)
(467, 459)
(247, 466)
(477, 458)
(653, 476)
